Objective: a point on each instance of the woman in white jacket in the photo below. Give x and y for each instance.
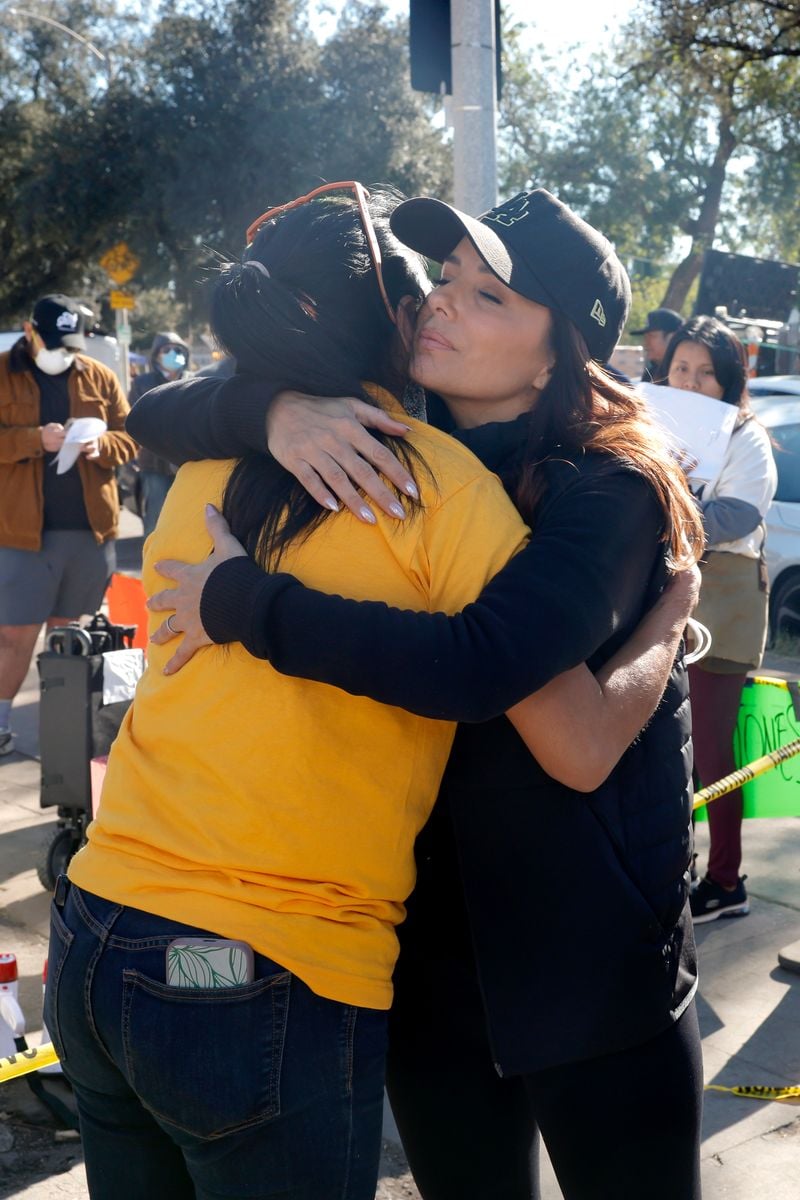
(704, 356)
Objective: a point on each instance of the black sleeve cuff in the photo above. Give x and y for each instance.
(236, 601)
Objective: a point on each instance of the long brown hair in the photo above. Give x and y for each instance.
(582, 408)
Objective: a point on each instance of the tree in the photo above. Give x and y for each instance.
(212, 114)
(369, 121)
(758, 29)
(664, 141)
(742, 91)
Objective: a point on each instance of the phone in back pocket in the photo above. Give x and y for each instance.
(196, 962)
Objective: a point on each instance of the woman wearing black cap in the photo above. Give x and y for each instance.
(548, 952)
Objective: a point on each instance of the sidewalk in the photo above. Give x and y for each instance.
(749, 1008)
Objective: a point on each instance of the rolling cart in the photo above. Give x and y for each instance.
(75, 726)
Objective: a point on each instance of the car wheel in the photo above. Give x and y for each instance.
(784, 608)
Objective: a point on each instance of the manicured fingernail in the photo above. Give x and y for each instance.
(367, 515)
(397, 510)
(412, 490)
(210, 510)
(330, 503)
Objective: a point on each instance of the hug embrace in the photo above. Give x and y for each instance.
(462, 718)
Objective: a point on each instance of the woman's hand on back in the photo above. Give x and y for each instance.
(324, 443)
(183, 600)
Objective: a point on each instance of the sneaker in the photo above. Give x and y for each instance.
(709, 901)
(6, 741)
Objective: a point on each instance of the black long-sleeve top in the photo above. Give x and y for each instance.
(562, 601)
(567, 971)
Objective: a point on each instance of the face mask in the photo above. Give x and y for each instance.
(173, 360)
(54, 362)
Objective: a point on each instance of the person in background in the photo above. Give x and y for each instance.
(661, 324)
(704, 356)
(57, 531)
(169, 360)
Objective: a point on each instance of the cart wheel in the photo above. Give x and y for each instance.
(56, 857)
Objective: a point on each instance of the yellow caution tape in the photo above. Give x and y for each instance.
(27, 1060)
(756, 1092)
(770, 681)
(758, 767)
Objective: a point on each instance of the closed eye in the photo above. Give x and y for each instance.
(490, 296)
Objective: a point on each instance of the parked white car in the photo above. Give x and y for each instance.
(780, 414)
(774, 386)
(7, 339)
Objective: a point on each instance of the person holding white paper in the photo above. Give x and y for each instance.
(62, 418)
(706, 358)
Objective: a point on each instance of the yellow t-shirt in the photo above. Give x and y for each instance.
(276, 810)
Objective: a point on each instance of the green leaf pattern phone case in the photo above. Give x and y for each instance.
(208, 963)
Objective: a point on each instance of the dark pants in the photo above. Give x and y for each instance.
(624, 1126)
(256, 1091)
(715, 710)
(154, 492)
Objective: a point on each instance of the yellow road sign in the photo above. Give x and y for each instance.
(121, 300)
(120, 263)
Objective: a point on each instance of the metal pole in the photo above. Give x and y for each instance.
(474, 105)
(123, 332)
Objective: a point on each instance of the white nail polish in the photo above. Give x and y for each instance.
(411, 489)
(397, 510)
(330, 503)
(367, 515)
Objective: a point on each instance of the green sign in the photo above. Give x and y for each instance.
(767, 721)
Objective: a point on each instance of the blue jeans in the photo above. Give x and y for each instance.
(256, 1091)
(154, 492)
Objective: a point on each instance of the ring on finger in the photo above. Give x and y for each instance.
(170, 626)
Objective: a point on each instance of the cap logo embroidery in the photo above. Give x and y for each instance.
(598, 314)
(510, 213)
(67, 320)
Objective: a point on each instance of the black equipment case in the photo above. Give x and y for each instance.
(74, 727)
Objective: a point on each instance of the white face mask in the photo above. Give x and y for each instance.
(54, 362)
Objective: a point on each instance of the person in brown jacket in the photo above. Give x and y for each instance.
(57, 530)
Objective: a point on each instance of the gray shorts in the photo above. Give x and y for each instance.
(66, 578)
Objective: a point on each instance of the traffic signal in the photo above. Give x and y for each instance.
(430, 40)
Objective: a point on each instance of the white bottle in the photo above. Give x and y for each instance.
(12, 1020)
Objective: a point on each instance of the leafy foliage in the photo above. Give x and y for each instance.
(198, 122)
(200, 114)
(758, 30)
(677, 135)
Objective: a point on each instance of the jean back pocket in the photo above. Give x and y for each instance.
(206, 1061)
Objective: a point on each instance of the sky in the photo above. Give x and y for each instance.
(558, 25)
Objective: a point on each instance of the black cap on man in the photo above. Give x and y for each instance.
(59, 321)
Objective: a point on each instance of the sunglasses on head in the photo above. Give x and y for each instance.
(362, 196)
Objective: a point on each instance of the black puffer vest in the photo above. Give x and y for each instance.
(575, 905)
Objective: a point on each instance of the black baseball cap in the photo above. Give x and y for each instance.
(59, 321)
(661, 320)
(540, 249)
